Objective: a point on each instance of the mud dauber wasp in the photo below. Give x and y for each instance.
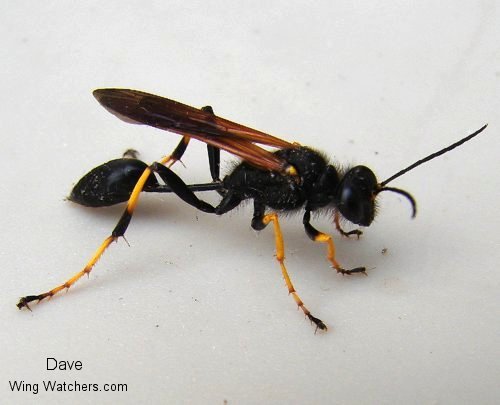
(292, 178)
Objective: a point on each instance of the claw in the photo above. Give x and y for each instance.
(23, 302)
(351, 271)
(318, 322)
(355, 232)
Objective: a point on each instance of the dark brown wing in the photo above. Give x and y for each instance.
(143, 108)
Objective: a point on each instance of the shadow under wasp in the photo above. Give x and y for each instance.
(292, 178)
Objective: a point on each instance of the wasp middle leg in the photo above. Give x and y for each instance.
(260, 221)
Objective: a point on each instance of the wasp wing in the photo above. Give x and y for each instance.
(137, 107)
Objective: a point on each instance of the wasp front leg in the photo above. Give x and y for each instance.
(355, 232)
(318, 236)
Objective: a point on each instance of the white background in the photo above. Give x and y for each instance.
(195, 311)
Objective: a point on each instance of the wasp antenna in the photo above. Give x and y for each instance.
(405, 194)
(433, 155)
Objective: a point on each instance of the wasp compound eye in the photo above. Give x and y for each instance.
(356, 195)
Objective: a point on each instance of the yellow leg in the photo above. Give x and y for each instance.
(318, 236)
(119, 230)
(280, 256)
(330, 255)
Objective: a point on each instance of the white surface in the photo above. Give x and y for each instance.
(195, 311)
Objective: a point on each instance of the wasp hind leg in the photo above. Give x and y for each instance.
(318, 236)
(259, 221)
(179, 187)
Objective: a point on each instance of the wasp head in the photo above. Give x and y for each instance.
(356, 194)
